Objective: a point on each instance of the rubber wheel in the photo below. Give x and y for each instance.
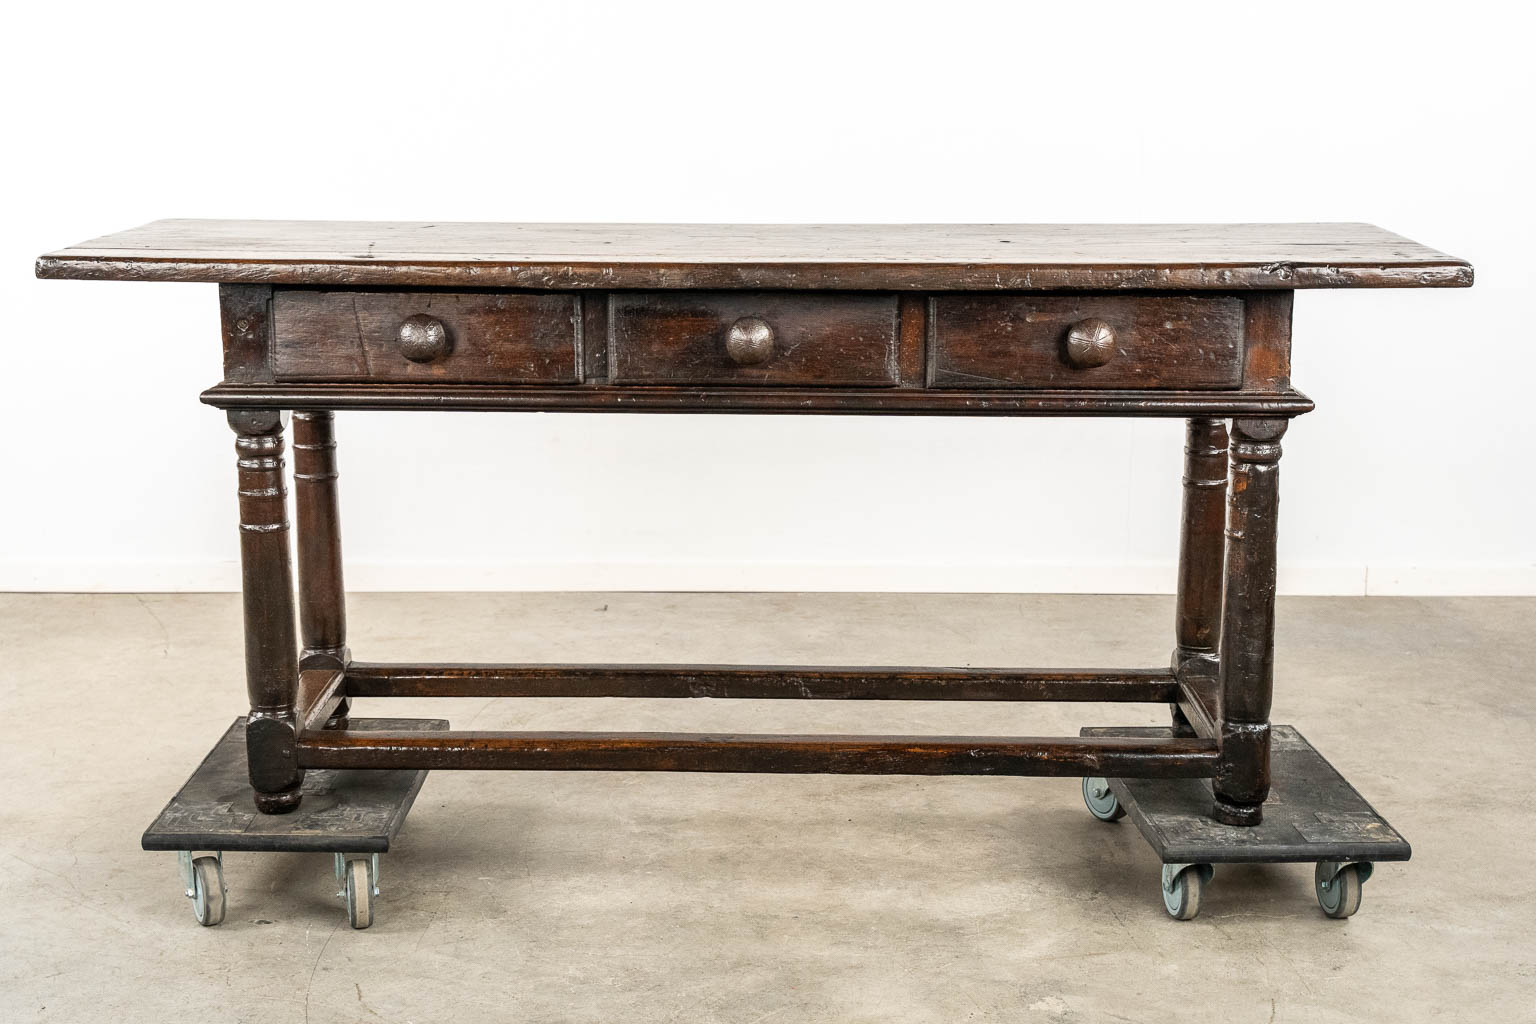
(1101, 800)
(1339, 896)
(1181, 897)
(207, 891)
(359, 893)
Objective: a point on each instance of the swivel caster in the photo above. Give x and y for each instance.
(358, 875)
(1340, 886)
(1101, 800)
(204, 878)
(1182, 888)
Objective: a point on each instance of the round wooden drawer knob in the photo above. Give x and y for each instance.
(749, 341)
(423, 338)
(1090, 343)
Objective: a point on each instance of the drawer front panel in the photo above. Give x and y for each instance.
(1086, 341)
(464, 337)
(766, 338)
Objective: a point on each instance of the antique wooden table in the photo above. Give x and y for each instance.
(1189, 321)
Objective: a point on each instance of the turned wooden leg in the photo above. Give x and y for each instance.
(1202, 547)
(322, 597)
(271, 651)
(1248, 623)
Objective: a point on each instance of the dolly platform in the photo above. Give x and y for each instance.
(352, 814)
(1312, 815)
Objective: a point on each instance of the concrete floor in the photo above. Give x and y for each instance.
(653, 897)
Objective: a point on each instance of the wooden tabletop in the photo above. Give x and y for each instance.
(1008, 257)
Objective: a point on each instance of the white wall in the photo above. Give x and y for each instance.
(1414, 475)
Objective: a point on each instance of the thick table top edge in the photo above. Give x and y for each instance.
(758, 400)
(1232, 257)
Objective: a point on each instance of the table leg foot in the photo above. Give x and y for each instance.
(271, 749)
(1230, 813)
(279, 803)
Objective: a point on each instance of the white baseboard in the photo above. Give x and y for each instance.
(1357, 580)
(1469, 580)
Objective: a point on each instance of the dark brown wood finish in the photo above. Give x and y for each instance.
(594, 337)
(1196, 708)
(1201, 547)
(486, 337)
(1131, 341)
(771, 338)
(690, 752)
(912, 344)
(321, 694)
(1202, 539)
(271, 649)
(879, 257)
(1267, 342)
(1248, 622)
(1189, 321)
(322, 594)
(799, 682)
(821, 401)
(245, 315)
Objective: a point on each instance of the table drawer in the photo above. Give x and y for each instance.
(1086, 341)
(752, 338)
(472, 337)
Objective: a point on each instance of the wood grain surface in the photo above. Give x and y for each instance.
(757, 682)
(494, 337)
(779, 400)
(1007, 257)
(1155, 757)
(1159, 341)
(818, 340)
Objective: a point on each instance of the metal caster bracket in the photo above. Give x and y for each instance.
(184, 860)
(341, 871)
(1171, 873)
(1328, 870)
